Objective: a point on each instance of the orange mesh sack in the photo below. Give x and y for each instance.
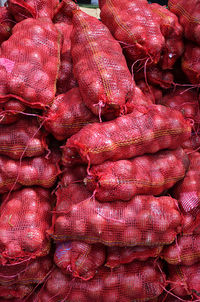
(147, 174)
(23, 138)
(22, 9)
(185, 251)
(99, 66)
(68, 114)
(137, 281)
(29, 63)
(10, 111)
(188, 13)
(187, 191)
(185, 280)
(25, 217)
(34, 171)
(121, 255)
(79, 259)
(144, 220)
(6, 22)
(154, 129)
(191, 62)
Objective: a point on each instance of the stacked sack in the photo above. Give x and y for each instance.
(99, 156)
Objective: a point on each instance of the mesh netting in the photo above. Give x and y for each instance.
(191, 62)
(157, 128)
(24, 219)
(79, 259)
(10, 111)
(185, 251)
(99, 66)
(144, 220)
(15, 291)
(120, 255)
(29, 63)
(6, 24)
(22, 138)
(22, 9)
(29, 172)
(152, 92)
(68, 114)
(188, 14)
(147, 174)
(137, 281)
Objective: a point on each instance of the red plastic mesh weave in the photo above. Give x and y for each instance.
(191, 62)
(22, 9)
(26, 272)
(144, 220)
(185, 251)
(135, 25)
(6, 24)
(9, 111)
(137, 281)
(157, 128)
(68, 114)
(24, 219)
(15, 291)
(22, 138)
(189, 18)
(187, 192)
(79, 259)
(121, 255)
(29, 63)
(98, 63)
(152, 92)
(147, 174)
(30, 172)
(185, 280)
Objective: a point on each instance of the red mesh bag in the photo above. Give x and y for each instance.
(187, 191)
(185, 251)
(29, 63)
(157, 128)
(144, 220)
(15, 291)
(121, 255)
(189, 17)
(69, 176)
(10, 111)
(26, 272)
(79, 259)
(152, 92)
(25, 217)
(98, 63)
(185, 280)
(22, 138)
(67, 115)
(22, 9)
(137, 281)
(135, 25)
(6, 22)
(173, 34)
(34, 171)
(191, 62)
(147, 174)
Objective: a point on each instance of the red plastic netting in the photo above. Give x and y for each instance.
(147, 174)
(79, 259)
(186, 250)
(191, 63)
(152, 92)
(24, 219)
(67, 115)
(137, 281)
(144, 220)
(185, 280)
(29, 63)
(15, 292)
(6, 24)
(98, 63)
(189, 18)
(156, 128)
(10, 111)
(22, 9)
(29, 172)
(121, 255)
(22, 138)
